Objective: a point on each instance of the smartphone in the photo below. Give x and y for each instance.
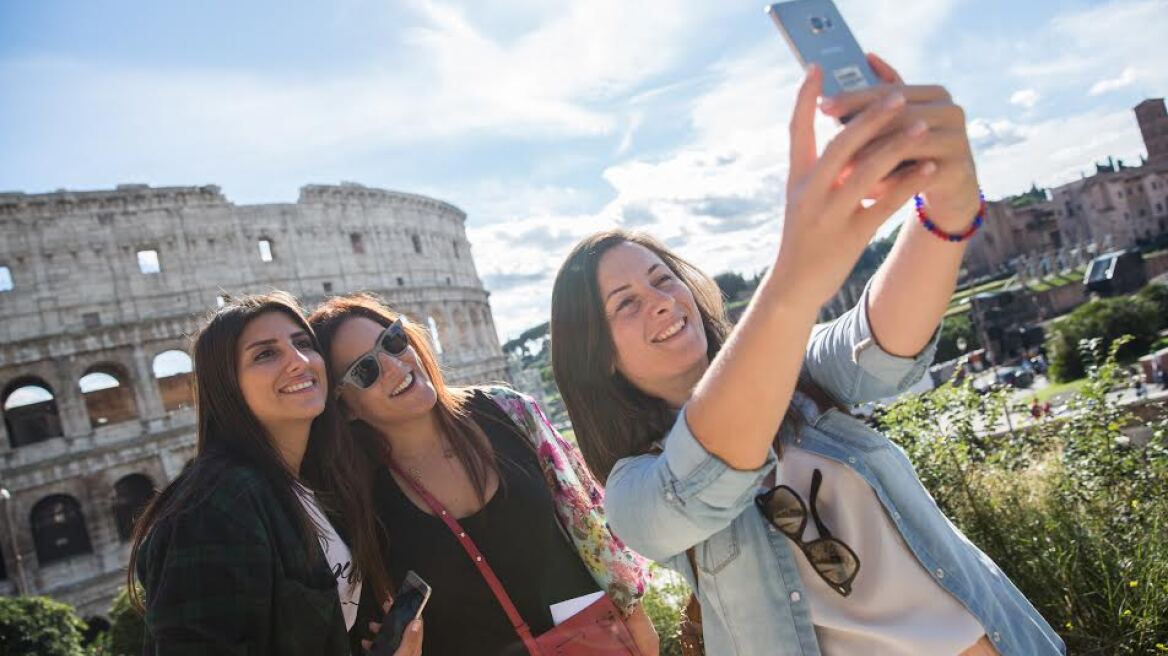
(407, 606)
(817, 34)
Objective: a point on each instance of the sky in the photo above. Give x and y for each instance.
(544, 121)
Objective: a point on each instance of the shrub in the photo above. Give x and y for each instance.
(1106, 319)
(1076, 516)
(38, 626)
(664, 602)
(126, 627)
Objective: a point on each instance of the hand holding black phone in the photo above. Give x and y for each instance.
(407, 606)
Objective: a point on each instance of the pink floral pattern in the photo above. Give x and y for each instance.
(579, 502)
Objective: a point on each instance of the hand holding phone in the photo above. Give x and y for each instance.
(407, 606)
(817, 34)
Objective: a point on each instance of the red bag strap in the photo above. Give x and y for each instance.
(476, 556)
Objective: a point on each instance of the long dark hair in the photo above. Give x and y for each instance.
(612, 418)
(228, 432)
(455, 419)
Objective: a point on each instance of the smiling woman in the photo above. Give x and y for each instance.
(526, 507)
(245, 546)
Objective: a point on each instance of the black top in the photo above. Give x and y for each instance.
(517, 533)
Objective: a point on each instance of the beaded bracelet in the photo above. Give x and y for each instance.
(951, 236)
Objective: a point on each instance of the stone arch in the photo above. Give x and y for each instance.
(435, 324)
(108, 395)
(492, 338)
(459, 321)
(131, 494)
(58, 529)
(31, 414)
(476, 327)
(172, 372)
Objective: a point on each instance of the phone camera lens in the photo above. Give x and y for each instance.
(820, 23)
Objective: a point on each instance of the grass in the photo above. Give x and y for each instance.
(1050, 391)
(1058, 280)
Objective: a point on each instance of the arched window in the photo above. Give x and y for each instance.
(58, 529)
(172, 370)
(417, 243)
(30, 412)
(434, 336)
(108, 397)
(131, 494)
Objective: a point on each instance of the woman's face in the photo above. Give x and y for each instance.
(281, 375)
(656, 329)
(402, 392)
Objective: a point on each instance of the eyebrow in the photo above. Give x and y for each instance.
(624, 287)
(269, 342)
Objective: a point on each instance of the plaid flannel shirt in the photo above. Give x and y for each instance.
(230, 576)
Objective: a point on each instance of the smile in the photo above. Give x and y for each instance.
(670, 331)
(406, 384)
(298, 387)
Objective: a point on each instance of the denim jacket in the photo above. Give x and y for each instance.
(751, 594)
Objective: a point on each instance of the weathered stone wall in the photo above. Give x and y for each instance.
(80, 302)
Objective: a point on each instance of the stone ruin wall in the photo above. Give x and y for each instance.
(75, 301)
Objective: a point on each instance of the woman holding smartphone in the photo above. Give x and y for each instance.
(801, 530)
(265, 544)
(521, 500)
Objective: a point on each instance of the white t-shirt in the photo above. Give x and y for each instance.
(339, 558)
(895, 607)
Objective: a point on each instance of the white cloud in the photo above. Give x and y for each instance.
(1026, 98)
(1103, 86)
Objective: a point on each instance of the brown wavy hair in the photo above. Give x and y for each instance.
(228, 433)
(467, 439)
(612, 418)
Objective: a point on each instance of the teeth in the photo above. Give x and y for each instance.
(670, 331)
(404, 384)
(298, 386)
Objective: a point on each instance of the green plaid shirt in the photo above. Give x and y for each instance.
(230, 576)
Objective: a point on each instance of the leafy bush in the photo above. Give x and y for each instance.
(956, 327)
(664, 602)
(1076, 516)
(126, 627)
(38, 626)
(1157, 296)
(1106, 319)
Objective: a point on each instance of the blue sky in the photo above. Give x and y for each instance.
(543, 120)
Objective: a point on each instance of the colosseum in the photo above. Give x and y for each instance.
(100, 291)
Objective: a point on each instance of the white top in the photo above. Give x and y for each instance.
(895, 608)
(339, 558)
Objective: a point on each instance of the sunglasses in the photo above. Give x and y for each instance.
(366, 369)
(834, 561)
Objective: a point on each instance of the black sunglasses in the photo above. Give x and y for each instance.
(835, 561)
(366, 369)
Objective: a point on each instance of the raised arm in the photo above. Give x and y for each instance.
(911, 290)
(741, 399)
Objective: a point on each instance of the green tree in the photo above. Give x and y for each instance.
(1104, 319)
(956, 327)
(39, 626)
(731, 284)
(1157, 296)
(126, 627)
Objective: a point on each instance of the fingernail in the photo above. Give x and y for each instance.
(894, 101)
(929, 168)
(827, 103)
(917, 129)
(416, 626)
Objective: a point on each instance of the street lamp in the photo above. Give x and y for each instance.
(21, 582)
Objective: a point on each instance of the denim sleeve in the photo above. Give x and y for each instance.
(844, 359)
(661, 505)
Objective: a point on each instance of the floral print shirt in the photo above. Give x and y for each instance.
(579, 501)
